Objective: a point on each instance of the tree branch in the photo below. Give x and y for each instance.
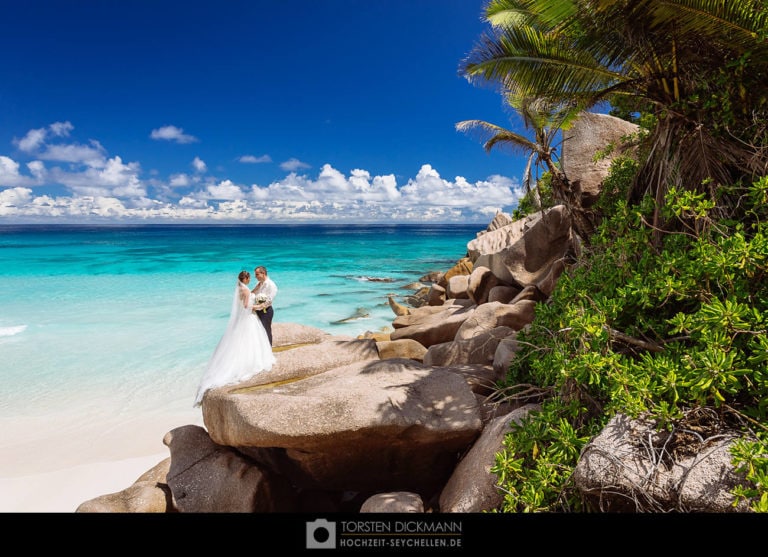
(645, 345)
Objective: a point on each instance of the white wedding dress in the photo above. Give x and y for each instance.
(243, 351)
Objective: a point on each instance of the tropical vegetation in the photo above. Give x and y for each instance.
(665, 315)
(545, 120)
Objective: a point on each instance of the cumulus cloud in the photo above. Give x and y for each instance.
(42, 143)
(37, 170)
(180, 181)
(31, 141)
(199, 165)
(172, 133)
(330, 195)
(378, 188)
(34, 139)
(292, 165)
(13, 198)
(61, 129)
(90, 183)
(93, 155)
(115, 179)
(251, 159)
(11, 176)
(458, 193)
(225, 190)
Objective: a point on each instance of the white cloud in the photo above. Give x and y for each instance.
(37, 169)
(191, 202)
(115, 178)
(172, 133)
(30, 142)
(251, 159)
(180, 181)
(61, 129)
(117, 191)
(92, 155)
(37, 142)
(12, 198)
(199, 165)
(225, 190)
(10, 175)
(101, 186)
(428, 188)
(292, 165)
(34, 139)
(107, 207)
(382, 188)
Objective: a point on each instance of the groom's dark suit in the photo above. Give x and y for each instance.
(265, 287)
(266, 319)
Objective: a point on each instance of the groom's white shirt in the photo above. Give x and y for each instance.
(268, 289)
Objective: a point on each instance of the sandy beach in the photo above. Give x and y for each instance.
(51, 472)
(62, 491)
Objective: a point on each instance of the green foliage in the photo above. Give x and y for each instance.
(535, 462)
(642, 331)
(542, 192)
(750, 460)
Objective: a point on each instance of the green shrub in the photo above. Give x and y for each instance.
(643, 332)
(537, 199)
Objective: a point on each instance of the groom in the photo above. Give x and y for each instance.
(265, 291)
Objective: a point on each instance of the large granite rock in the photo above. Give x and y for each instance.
(206, 477)
(472, 487)
(588, 135)
(500, 237)
(148, 494)
(413, 417)
(430, 325)
(529, 259)
(632, 467)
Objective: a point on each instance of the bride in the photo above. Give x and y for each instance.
(244, 349)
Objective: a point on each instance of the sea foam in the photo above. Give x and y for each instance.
(11, 331)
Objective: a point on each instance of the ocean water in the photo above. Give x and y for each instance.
(105, 327)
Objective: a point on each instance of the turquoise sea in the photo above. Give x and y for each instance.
(104, 330)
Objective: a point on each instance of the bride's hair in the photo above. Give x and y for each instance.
(244, 276)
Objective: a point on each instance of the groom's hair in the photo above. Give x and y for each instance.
(260, 268)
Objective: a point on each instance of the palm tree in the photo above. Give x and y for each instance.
(699, 66)
(545, 120)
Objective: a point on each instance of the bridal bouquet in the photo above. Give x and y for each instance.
(260, 299)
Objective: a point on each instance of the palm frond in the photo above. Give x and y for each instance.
(492, 136)
(542, 113)
(530, 63)
(507, 13)
(742, 24)
(542, 15)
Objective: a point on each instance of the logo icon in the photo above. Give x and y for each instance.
(321, 534)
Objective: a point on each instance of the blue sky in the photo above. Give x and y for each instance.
(246, 110)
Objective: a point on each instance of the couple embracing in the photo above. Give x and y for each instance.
(245, 349)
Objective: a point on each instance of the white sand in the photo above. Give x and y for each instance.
(53, 463)
(64, 490)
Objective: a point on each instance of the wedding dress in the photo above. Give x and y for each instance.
(243, 351)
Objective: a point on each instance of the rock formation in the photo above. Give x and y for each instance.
(396, 424)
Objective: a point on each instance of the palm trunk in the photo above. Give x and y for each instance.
(570, 196)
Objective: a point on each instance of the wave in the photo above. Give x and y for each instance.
(374, 279)
(11, 331)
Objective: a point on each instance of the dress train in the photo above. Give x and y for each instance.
(243, 351)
